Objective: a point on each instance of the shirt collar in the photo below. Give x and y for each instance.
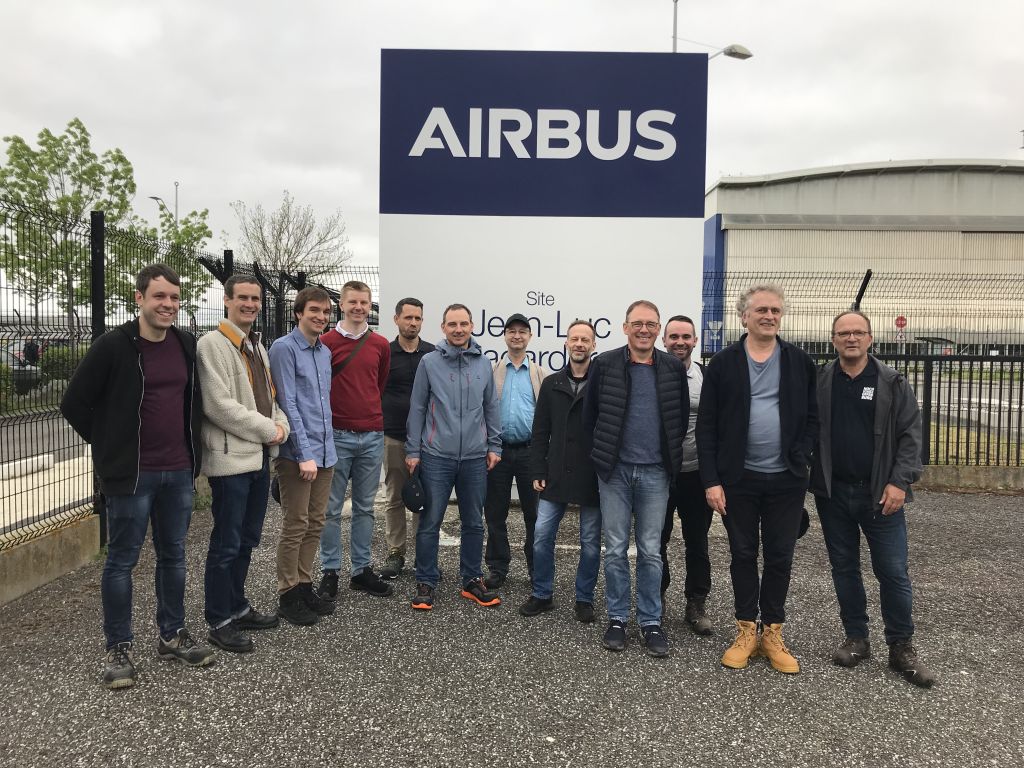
(301, 340)
(348, 335)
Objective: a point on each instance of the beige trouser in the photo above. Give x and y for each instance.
(304, 505)
(395, 475)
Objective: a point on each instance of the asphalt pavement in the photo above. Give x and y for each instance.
(379, 684)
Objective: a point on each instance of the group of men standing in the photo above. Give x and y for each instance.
(629, 437)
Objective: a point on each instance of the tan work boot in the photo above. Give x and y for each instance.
(744, 647)
(775, 649)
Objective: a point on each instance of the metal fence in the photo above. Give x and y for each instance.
(62, 284)
(918, 314)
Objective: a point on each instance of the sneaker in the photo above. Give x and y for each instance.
(254, 620)
(228, 638)
(615, 636)
(535, 606)
(495, 580)
(314, 602)
(696, 618)
(584, 612)
(423, 600)
(293, 608)
(903, 659)
(368, 581)
(655, 640)
(393, 566)
(328, 588)
(184, 649)
(852, 652)
(120, 671)
(477, 591)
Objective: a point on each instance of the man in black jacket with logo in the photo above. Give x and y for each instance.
(638, 404)
(868, 456)
(563, 474)
(135, 398)
(756, 428)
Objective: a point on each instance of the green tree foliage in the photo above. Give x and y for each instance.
(58, 184)
(63, 179)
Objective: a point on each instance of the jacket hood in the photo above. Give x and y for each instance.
(447, 350)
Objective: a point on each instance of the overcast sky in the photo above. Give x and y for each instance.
(243, 100)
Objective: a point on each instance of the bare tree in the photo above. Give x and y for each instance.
(291, 240)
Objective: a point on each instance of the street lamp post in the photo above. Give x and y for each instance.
(161, 202)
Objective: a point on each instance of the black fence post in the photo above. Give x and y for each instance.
(926, 413)
(97, 243)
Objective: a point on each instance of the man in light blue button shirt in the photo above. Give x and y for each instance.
(301, 368)
(517, 381)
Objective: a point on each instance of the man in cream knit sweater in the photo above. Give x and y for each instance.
(242, 427)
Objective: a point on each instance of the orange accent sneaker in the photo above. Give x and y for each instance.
(476, 591)
(423, 600)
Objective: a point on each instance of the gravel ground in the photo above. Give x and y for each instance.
(381, 684)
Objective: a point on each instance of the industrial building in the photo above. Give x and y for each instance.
(943, 238)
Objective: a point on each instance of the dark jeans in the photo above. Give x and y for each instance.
(850, 511)
(239, 506)
(763, 511)
(166, 499)
(514, 465)
(469, 479)
(687, 497)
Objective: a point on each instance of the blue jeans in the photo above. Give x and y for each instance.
(469, 479)
(549, 515)
(634, 496)
(852, 509)
(166, 499)
(360, 455)
(239, 506)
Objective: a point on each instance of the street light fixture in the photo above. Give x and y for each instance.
(160, 200)
(734, 51)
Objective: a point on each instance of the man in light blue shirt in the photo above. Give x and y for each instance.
(517, 381)
(301, 368)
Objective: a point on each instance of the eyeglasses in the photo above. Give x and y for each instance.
(650, 325)
(858, 335)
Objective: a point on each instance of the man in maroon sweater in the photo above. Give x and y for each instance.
(360, 360)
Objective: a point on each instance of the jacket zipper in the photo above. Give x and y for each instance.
(138, 434)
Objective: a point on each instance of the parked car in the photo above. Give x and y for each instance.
(23, 375)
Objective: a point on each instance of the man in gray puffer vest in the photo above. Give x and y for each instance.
(454, 439)
(636, 392)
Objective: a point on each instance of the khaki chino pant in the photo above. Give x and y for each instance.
(304, 505)
(395, 476)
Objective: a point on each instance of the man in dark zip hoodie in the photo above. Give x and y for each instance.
(135, 399)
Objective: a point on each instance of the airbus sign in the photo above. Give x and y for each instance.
(509, 133)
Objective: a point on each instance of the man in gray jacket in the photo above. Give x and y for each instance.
(454, 430)
(868, 455)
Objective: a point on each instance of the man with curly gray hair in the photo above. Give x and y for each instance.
(756, 427)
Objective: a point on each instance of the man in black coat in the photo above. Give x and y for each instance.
(135, 399)
(756, 428)
(563, 474)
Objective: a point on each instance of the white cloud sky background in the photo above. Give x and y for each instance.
(243, 100)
